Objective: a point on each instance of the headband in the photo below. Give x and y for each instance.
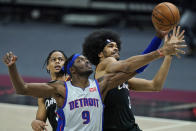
(70, 63)
(107, 41)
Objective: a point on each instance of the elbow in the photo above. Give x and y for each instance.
(157, 87)
(21, 91)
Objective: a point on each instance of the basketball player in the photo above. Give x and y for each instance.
(47, 106)
(79, 101)
(80, 97)
(102, 49)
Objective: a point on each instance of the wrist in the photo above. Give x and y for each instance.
(160, 52)
(159, 36)
(12, 66)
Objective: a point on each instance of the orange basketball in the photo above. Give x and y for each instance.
(165, 16)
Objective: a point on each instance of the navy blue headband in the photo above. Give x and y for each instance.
(107, 41)
(70, 63)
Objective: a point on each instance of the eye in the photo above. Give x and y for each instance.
(79, 60)
(53, 59)
(60, 59)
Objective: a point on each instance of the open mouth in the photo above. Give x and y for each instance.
(57, 67)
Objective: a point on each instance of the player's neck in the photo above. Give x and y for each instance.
(79, 81)
(55, 77)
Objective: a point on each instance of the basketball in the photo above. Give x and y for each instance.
(165, 16)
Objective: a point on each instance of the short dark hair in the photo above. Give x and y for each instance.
(96, 41)
(49, 55)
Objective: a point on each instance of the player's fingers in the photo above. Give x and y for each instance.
(5, 60)
(180, 42)
(166, 38)
(174, 31)
(181, 35)
(7, 55)
(178, 51)
(44, 124)
(178, 31)
(180, 46)
(43, 128)
(15, 58)
(181, 38)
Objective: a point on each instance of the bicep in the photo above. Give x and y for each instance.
(116, 66)
(41, 112)
(112, 80)
(138, 84)
(39, 89)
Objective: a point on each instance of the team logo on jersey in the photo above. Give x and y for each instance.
(125, 86)
(92, 89)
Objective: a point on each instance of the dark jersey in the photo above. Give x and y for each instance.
(51, 107)
(118, 115)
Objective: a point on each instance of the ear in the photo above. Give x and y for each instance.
(100, 55)
(47, 67)
(72, 70)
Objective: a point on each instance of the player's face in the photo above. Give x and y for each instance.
(56, 62)
(111, 50)
(83, 66)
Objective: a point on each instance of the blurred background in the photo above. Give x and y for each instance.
(33, 28)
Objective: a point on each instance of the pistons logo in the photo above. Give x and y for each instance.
(92, 89)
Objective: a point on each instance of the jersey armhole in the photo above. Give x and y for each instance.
(66, 93)
(98, 88)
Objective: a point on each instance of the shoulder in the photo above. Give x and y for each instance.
(109, 60)
(104, 63)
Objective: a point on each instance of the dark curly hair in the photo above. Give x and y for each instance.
(96, 41)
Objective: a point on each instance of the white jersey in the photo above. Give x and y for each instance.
(83, 108)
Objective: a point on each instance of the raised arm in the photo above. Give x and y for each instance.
(173, 47)
(31, 89)
(157, 83)
(117, 72)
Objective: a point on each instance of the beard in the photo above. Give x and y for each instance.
(112, 54)
(85, 73)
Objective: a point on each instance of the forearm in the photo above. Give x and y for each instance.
(131, 64)
(31, 89)
(41, 112)
(154, 45)
(161, 75)
(137, 62)
(16, 79)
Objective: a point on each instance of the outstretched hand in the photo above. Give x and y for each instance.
(9, 59)
(175, 42)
